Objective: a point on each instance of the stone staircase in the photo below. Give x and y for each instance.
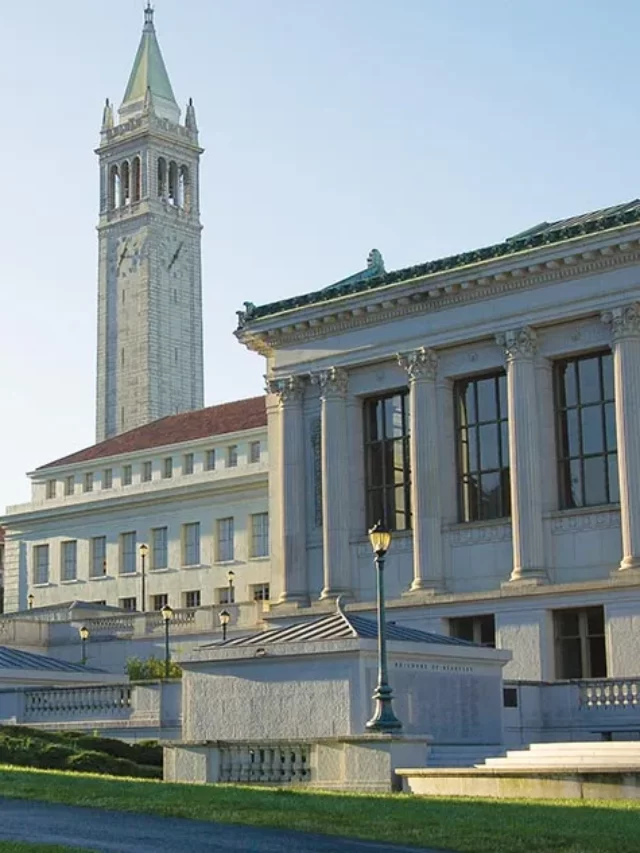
(462, 756)
(605, 755)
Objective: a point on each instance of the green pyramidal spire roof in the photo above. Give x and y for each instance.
(149, 74)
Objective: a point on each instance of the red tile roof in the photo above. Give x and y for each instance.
(174, 429)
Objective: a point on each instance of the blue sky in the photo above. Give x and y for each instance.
(420, 127)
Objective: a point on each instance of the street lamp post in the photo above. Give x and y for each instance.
(383, 720)
(230, 576)
(224, 617)
(167, 613)
(144, 550)
(30, 600)
(84, 636)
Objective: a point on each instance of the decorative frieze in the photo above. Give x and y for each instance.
(479, 535)
(624, 321)
(419, 364)
(585, 521)
(518, 343)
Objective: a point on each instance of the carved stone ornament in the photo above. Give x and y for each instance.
(289, 389)
(624, 321)
(419, 364)
(520, 343)
(332, 382)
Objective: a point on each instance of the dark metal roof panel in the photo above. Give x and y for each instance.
(17, 659)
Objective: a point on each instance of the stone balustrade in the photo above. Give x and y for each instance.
(610, 693)
(99, 702)
(251, 762)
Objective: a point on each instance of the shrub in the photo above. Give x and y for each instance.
(151, 669)
(90, 761)
(147, 752)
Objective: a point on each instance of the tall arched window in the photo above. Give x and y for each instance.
(184, 189)
(125, 183)
(173, 183)
(136, 179)
(114, 187)
(162, 177)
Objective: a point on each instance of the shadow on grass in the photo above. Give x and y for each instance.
(464, 825)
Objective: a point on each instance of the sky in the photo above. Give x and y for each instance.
(418, 127)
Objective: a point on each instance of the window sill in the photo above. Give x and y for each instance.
(70, 581)
(42, 585)
(582, 510)
(232, 562)
(192, 566)
(100, 578)
(260, 559)
(163, 570)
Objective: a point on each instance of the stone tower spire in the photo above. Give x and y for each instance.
(149, 275)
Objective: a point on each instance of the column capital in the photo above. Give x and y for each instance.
(624, 321)
(518, 343)
(332, 382)
(419, 364)
(289, 389)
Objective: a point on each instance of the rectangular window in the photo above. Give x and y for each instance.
(41, 564)
(225, 540)
(586, 431)
(260, 534)
(260, 592)
(579, 643)
(167, 468)
(147, 471)
(127, 475)
(107, 478)
(191, 544)
(388, 470)
(254, 451)
(159, 601)
(127, 553)
(192, 598)
(159, 555)
(187, 463)
(475, 629)
(98, 556)
(225, 595)
(88, 481)
(69, 485)
(51, 489)
(128, 604)
(482, 445)
(69, 559)
(232, 456)
(210, 460)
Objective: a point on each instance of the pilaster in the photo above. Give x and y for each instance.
(289, 491)
(333, 385)
(525, 462)
(422, 367)
(625, 336)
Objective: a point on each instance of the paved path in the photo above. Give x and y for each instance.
(123, 832)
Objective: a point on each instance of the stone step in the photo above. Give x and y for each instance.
(513, 763)
(568, 754)
(594, 745)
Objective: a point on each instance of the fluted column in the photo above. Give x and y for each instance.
(292, 488)
(426, 513)
(525, 463)
(625, 334)
(335, 482)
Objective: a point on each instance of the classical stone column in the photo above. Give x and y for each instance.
(525, 463)
(625, 333)
(335, 482)
(291, 500)
(421, 367)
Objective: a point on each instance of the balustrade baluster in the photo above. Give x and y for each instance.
(225, 764)
(245, 763)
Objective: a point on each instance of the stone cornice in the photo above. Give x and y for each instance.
(439, 291)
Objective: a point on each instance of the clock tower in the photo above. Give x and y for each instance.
(149, 278)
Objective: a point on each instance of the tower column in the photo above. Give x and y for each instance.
(525, 463)
(291, 486)
(625, 336)
(335, 482)
(421, 367)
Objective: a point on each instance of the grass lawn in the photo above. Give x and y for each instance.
(467, 826)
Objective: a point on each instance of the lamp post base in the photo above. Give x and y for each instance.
(383, 720)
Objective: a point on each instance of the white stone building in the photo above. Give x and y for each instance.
(486, 406)
(191, 487)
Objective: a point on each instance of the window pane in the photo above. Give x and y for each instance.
(502, 391)
(398, 462)
(595, 486)
(575, 483)
(376, 470)
(571, 433)
(597, 658)
(589, 377)
(472, 449)
(595, 621)
(570, 396)
(491, 496)
(504, 438)
(489, 457)
(567, 623)
(569, 659)
(607, 377)
(614, 488)
(400, 508)
(387, 461)
(592, 437)
(466, 404)
(487, 399)
(376, 506)
(610, 420)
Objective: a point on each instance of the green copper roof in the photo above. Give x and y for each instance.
(545, 234)
(149, 74)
